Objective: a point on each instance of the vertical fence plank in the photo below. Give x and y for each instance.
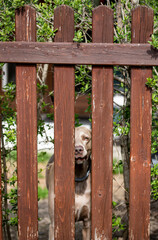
(102, 127)
(140, 156)
(26, 131)
(1, 234)
(64, 130)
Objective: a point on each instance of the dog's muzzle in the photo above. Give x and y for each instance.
(79, 154)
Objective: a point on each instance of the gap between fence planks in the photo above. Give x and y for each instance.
(1, 233)
(102, 128)
(79, 53)
(140, 146)
(64, 96)
(26, 131)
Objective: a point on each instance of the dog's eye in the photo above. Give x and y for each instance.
(85, 138)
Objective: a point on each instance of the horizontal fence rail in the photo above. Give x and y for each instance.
(65, 54)
(79, 53)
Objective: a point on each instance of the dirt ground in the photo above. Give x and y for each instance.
(120, 210)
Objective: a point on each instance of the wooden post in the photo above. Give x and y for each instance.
(64, 131)
(102, 129)
(26, 131)
(140, 155)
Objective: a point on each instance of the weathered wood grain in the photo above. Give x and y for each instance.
(26, 131)
(140, 155)
(102, 128)
(79, 53)
(64, 131)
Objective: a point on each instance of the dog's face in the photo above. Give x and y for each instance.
(82, 144)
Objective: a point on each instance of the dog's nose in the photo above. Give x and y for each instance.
(78, 150)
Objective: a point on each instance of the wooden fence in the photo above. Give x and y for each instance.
(103, 55)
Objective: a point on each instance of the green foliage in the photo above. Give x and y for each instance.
(45, 12)
(154, 5)
(9, 134)
(13, 201)
(117, 166)
(151, 3)
(154, 41)
(8, 115)
(7, 17)
(7, 21)
(77, 123)
(82, 14)
(42, 193)
(154, 182)
(12, 156)
(116, 224)
(10, 214)
(121, 130)
(123, 28)
(43, 157)
(116, 221)
(45, 18)
(153, 84)
(83, 79)
(6, 101)
(89, 109)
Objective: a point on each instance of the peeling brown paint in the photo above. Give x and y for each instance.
(140, 133)
(102, 120)
(26, 132)
(64, 131)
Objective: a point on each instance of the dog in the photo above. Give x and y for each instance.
(82, 182)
